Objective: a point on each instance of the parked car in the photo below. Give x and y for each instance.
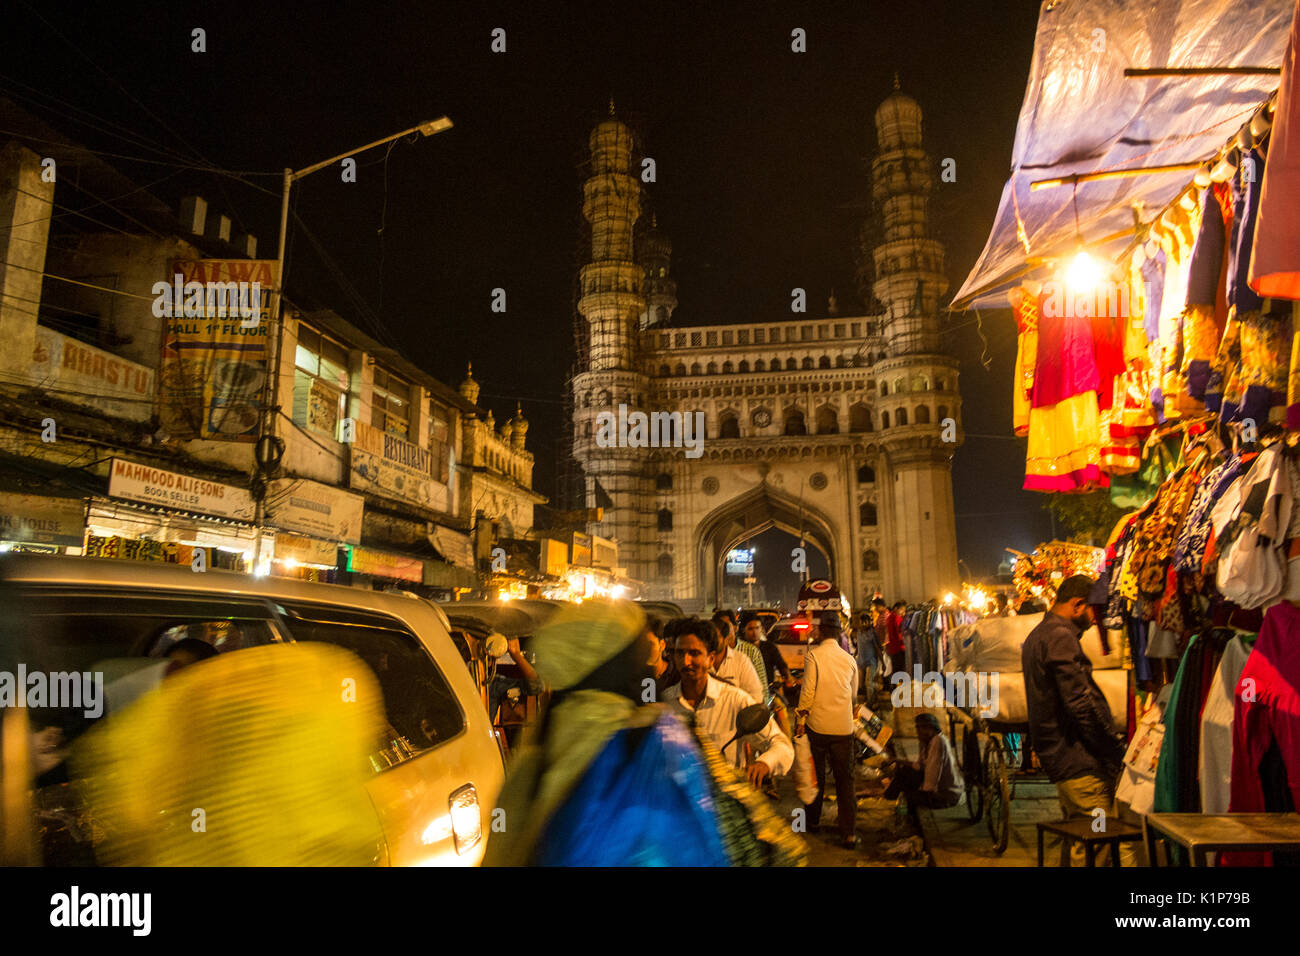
(791, 636)
(435, 775)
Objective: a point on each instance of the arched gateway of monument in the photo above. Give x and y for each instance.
(749, 514)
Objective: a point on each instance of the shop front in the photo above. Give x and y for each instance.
(153, 514)
(42, 524)
(381, 570)
(312, 521)
(1154, 279)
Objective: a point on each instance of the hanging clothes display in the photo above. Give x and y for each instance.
(1214, 768)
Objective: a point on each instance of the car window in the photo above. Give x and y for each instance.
(97, 652)
(422, 709)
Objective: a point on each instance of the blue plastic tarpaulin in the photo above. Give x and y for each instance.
(1082, 115)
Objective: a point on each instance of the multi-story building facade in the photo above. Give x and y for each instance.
(837, 429)
(124, 431)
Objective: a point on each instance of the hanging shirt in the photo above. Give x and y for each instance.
(1275, 262)
(1214, 767)
(1266, 712)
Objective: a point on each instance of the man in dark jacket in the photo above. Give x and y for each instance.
(1069, 719)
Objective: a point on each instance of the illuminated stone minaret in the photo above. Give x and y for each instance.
(916, 382)
(608, 376)
(654, 251)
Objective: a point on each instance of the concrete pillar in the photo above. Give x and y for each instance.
(25, 206)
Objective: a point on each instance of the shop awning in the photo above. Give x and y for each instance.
(454, 546)
(1081, 114)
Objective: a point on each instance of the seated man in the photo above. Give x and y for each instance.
(932, 780)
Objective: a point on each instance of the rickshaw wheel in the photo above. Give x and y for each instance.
(972, 772)
(998, 797)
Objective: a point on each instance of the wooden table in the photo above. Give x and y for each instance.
(1204, 833)
(1079, 830)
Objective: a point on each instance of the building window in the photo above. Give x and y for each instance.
(760, 365)
(695, 339)
(664, 371)
(867, 515)
(664, 482)
(859, 418)
(940, 385)
(923, 414)
(884, 419)
(586, 430)
(728, 425)
(727, 367)
(841, 361)
(679, 340)
(806, 333)
(665, 566)
(759, 336)
(742, 337)
(866, 475)
(807, 362)
(870, 560)
(439, 444)
(320, 382)
(824, 362)
(839, 331)
(855, 329)
(901, 417)
(711, 338)
(713, 368)
(728, 338)
(665, 520)
(695, 368)
(943, 412)
(884, 388)
(681, 370)
(828, 421)
(391, 406)
(744, 366)
(791, 365)
(794, 423)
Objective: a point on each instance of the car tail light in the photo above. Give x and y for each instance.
(466, 820)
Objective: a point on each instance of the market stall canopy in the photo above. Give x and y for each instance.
(1082, 115)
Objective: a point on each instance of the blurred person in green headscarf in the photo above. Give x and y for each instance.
(607, 778)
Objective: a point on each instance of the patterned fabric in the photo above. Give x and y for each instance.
(1025, 308)
(1195, 532)
(752, 833)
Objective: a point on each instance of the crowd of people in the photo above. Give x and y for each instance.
(704, 712)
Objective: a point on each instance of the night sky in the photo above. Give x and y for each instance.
(762, 155)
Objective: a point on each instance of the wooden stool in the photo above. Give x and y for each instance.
(1079, 830)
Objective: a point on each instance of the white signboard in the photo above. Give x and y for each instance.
(154, 486)
(310, 507)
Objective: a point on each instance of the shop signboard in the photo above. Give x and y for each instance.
(740, 561)
(382, 564)
(312, 508)
(554, 557)
(214, 346)
(33, 519)
(64, 361)
(136, 482)
(391, 466)
(313, 551)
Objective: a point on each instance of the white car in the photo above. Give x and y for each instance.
(437, 774)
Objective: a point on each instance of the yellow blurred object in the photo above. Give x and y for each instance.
(257, 757)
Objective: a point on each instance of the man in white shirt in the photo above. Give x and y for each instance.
(715, 703)
(830, 686)
(735, 668)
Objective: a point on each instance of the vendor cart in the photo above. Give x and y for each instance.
(992, 746)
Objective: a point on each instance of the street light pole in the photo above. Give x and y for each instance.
(266, 455)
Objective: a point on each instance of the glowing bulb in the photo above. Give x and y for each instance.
(1084, 274)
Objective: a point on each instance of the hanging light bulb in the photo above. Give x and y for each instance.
(1084, 273)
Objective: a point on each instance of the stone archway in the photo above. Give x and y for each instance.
(749, 514)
